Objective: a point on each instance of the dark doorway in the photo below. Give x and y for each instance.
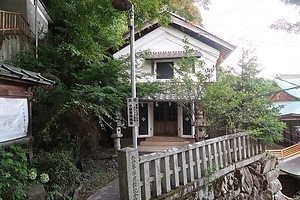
(165, 119)
(143, 114)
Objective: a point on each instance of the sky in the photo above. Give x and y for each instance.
(245, 24)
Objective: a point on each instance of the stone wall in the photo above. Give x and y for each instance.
(258, 180)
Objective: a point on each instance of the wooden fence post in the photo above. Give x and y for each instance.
(129, 174)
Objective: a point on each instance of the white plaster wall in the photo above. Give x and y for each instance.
(168, 39)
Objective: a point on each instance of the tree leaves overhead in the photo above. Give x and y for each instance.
(283, 24)
(188, 10)
(77, 53)
(287, 26)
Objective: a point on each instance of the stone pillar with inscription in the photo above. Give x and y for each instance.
(129, 174)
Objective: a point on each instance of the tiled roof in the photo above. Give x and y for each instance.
(161, 97)
(33, 78)
(170, 54)
(289, 107)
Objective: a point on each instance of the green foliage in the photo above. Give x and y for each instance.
(209, 174)
(62, 172)
(189, 83)
(191, 76)
(241, 103)
(99, 101)
(76, 53)
(16, 173)
(187, 9)
(13, 173)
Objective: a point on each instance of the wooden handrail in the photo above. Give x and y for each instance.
(13, 23)
(161, 171)
(286, 152)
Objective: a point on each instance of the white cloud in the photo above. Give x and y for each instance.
(241, 22)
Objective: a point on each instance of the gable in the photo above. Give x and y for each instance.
(281, 96)
(164, 39)
(290, 85)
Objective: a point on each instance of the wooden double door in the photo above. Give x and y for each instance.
(165, 119)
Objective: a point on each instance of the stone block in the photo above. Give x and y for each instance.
(35, 192)
(279, 196)
(269, 165)
(274, 186)
(256, 182)
(246, 180)
(272, 175)
(256, 166)
(255, 193)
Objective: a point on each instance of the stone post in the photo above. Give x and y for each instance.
(129, 174)
(116, 136)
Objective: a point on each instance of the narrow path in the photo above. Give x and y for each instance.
(108, 192)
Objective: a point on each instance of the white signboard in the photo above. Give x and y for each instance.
(13, 118)
(133, 112)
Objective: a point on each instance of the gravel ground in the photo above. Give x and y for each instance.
(98, 169)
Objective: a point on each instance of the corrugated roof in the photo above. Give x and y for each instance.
(289, 107)
(25, 75)
(287, 83)
(291, 166)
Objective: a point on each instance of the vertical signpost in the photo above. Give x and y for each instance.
(133, 112)
(126, 5)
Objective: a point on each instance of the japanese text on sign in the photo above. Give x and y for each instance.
(13, 118)
(133, 112)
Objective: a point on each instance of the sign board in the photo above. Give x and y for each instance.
(13, 118)
(133, 112)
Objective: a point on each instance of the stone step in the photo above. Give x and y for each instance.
(163, 143)
(165, 139)
(150, 149)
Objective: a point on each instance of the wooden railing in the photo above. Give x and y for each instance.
(286, 152)
(13, 23)
(153, 174)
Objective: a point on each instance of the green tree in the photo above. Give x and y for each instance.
(77, 54)
(283, 24)
(188, 10)
(240, 102)
(188, 84)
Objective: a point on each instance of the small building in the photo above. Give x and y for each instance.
(16, 102)
(22, 24)
(163, 115)
(289, 98)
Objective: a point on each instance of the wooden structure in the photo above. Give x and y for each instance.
(286, 152)
(289, 98)
(151, 175)
(12, 23)
(21, 23)
(17, 84)
(164, 114)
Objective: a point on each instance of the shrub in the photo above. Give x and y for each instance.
(13, 173)
(62, 173)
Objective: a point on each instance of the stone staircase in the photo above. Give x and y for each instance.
(159, 143)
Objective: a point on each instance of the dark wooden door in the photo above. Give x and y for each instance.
(143, 114)
(165, 119)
